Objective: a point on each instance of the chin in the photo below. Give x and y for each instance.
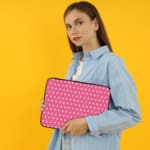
(77, 44)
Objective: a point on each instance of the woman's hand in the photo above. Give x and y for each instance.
(42, 106)
(75, 127)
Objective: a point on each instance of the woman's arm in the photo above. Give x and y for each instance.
(126, 112)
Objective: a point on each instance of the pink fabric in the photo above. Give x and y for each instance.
(65, 100)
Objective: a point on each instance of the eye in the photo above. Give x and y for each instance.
(68, 27)
(79, 23)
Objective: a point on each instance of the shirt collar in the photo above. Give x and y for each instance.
(93, 53)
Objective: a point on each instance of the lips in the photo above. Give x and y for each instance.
(76, 38)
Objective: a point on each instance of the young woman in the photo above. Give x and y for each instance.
(94, 62)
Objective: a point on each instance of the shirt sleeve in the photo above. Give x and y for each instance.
(125, 112)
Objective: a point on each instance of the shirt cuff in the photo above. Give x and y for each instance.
(92, 128)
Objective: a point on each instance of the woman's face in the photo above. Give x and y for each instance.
(80, 28)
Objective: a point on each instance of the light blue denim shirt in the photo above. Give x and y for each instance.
(100, 66)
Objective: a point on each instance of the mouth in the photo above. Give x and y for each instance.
(76, 38)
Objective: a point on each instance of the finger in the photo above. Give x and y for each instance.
(42, 107)
(42, 101)
(68, 130)
(64, 127)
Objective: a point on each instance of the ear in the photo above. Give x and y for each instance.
(96, 25)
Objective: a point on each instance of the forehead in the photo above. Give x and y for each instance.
(75, 14)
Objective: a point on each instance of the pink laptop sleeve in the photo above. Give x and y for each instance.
(66, 99)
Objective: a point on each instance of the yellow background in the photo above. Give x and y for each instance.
(33, 47)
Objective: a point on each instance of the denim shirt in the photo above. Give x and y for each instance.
(100, 66)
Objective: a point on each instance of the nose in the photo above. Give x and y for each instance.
(74, 30)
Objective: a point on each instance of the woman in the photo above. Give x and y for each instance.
(94, 62)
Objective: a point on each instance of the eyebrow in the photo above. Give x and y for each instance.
(76, 20)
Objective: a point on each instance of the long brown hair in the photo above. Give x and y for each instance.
(92, 12)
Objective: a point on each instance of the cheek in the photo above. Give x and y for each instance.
(86, 30)
(68, 35)
(90, 31)
(89, 28)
